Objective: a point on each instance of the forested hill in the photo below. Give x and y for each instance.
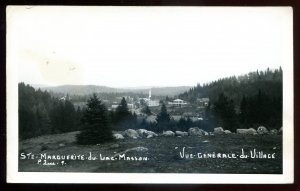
(90, 89)
(268, 82)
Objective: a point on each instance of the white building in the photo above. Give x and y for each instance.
(149, 102)
(178, 102)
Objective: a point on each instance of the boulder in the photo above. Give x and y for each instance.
(181, 133)
(262, 130)
(249, 131)
(145, 133)
(141, 132)
(218, 130)
(227, 132)
(130, 133)
(195, 131)
(273, 131)
(206, 133)
(151, 133)
(118, 136)
(168, 133)
(135, 149)
(149, 136)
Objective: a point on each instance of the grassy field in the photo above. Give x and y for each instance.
(163, 154)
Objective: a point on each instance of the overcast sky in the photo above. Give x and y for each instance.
(144, 46)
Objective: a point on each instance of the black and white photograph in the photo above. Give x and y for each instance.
(149, 94)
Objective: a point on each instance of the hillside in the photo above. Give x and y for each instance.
(163, 154)
(89, 89)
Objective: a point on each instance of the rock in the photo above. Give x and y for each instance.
(227, 132)
(262, 130)
(249, 131)
(280, 130)
(211, 133)
(118, 136)
(168, 133)
(141, 132)
(130, 133)
(181, 133)
(136, 149)
(206, 133)
(61, 145)
(273, 131)
(218, 130)
(145, 133)
(195, 131)
(149, 136)
(151, 133)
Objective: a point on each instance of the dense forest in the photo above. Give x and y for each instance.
(242, 102)
(40, 113)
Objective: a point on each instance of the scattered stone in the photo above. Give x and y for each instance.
(145, 133)
(137, 149)
(249, 131)
(262, 130)
(211, 133)
(195, 131)
(130, 133)
(227, 132)
(118, 136)
(168, 133)
(205, 141)
(151, 133)
(273, 132)
(206, 133)
(149, 136)
(181, 133)
(218, 130)
(61, 145)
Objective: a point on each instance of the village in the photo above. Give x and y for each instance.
(177, 108)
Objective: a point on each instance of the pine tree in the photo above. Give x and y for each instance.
(146, 110)
(123, 117)
(95, 124)
(225, 112)
(163, 118)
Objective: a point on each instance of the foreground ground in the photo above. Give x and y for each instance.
(159, 154)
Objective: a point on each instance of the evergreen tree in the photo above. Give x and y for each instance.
(146, 110)
(122, 111)
(95, 124)
(163, 119)
(225, 112)
(123, 117)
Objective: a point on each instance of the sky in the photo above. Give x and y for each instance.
(144, 46)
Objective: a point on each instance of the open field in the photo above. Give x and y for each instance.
(163, 154)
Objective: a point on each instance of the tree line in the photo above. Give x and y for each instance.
(242, 102)
(40, 113)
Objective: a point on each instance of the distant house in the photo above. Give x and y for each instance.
(153, 103)
(64, 98)
(178, 102)
(114, 106)
(203, 101)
